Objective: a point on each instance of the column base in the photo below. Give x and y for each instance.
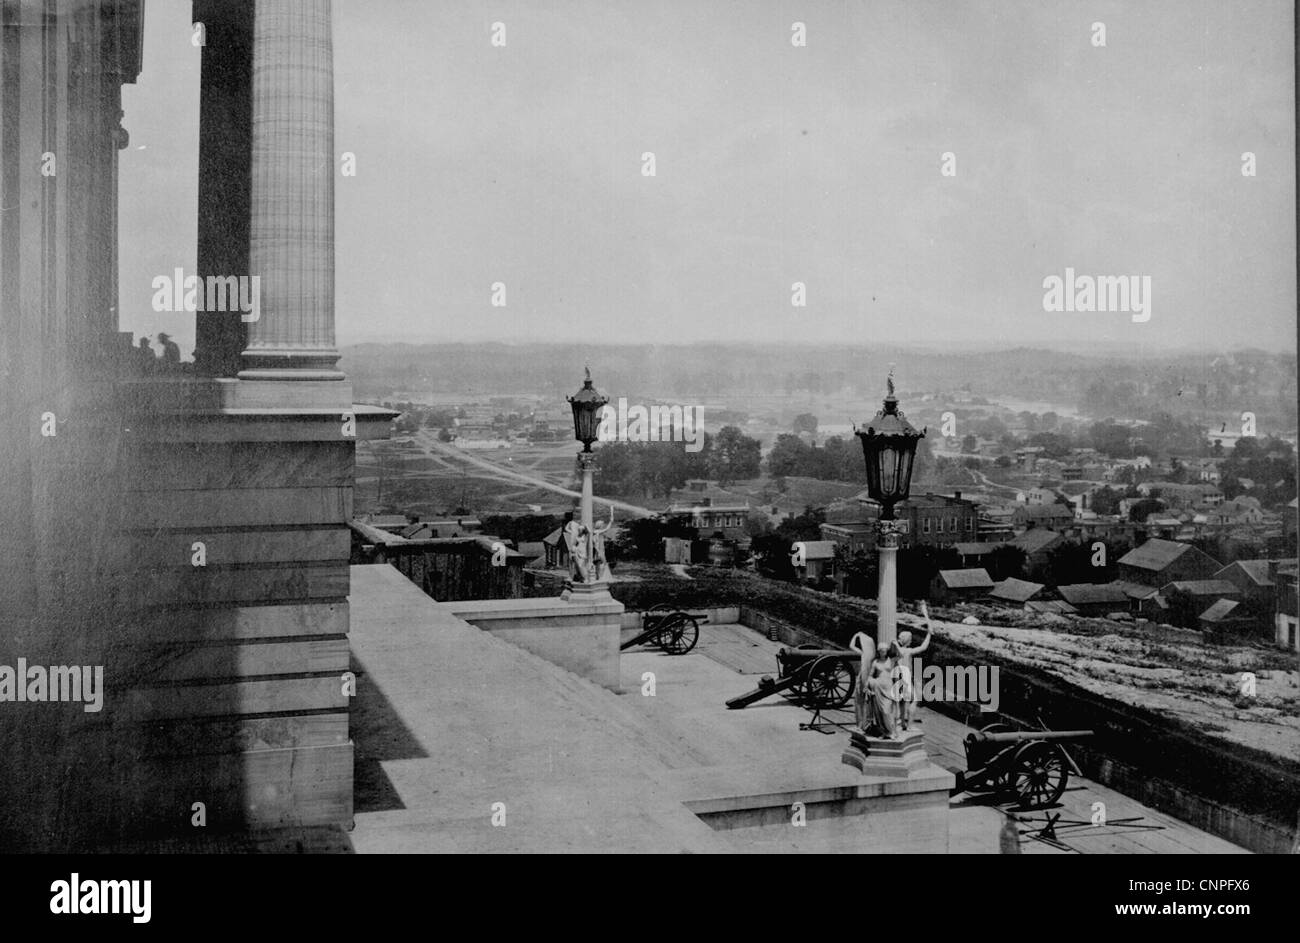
(290, 364)
(896, 759)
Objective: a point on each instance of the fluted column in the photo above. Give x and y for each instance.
(292, 206)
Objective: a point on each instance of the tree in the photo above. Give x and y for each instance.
(1112, 439)
(1004, 461)
(1070, 562)
(772, 556)
(918, 565)
(1183, 608)
(643, 538)
(805, 422)
(520, 527)
(805, 526)
(1106, 500)
(757, 523)
(734, 456)
(789, 456)
(1006, 562)
(1053, 444)
(1139, 511)
(841, 459)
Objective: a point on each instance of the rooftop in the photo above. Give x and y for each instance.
(976, 549)
(966, 579)
(579, 768)
(1079, 594)
(1016, 590)
(1204, 587)
(1219, 611)
(1035, 539)
(1255, 570)
(1155, 554)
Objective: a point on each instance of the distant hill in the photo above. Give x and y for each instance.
(1127, 386)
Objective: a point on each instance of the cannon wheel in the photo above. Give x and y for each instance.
(680, 634)
(1039, 774)
(663, 612)
(829, 683)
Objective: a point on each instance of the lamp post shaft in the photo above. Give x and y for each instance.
(585, 459)
(887, 592)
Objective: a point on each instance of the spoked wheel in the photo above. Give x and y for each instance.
(657, 614)
(829, 683)
(1039, 774)
(680, 634)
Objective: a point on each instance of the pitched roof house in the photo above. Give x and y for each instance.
(1015, 590)
(1158, 562)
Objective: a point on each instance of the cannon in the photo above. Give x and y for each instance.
(673, 630)
(1029, 764)
(819, 678)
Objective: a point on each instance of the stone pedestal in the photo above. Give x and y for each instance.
(876, 756)
(577, 592)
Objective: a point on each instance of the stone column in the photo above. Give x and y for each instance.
(587, 461)
(292, 205)
(887, 591)
(225, 158)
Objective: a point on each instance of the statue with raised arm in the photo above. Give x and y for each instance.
(599, 564)
(906, 687)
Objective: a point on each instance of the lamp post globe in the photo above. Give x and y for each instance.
(586, 405)
(889, 449)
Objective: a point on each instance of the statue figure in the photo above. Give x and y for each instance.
(599, 564)
(906, 689)
(876, 696)
(866, 645)
(575, 541)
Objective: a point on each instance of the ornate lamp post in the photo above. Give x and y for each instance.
(586, 404)
(889, 446)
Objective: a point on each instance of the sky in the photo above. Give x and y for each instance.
(774, 164)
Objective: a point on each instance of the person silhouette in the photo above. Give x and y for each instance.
(144, 355)
(171, 352)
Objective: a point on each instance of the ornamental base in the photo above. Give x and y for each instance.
(585, 591)
(875, 756)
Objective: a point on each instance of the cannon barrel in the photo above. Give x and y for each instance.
(1021, 735)
(802, 655)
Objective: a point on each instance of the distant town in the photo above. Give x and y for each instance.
(1186, 519)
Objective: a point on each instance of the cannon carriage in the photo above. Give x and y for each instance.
(1030, 765)
(673, 630)
(818, 678)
